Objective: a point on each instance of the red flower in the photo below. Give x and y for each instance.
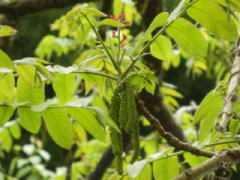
(121, 16)
(127, 22)
(124, 36)
(113, 18)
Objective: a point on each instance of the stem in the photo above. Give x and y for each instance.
(132, 64)
(167, 156)
(119, 45)
(98, 74)
(223, 142)
(146, 46)
(103, 44)
(130, 67)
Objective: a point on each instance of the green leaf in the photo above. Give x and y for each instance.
(5, 139)
(5, 70)
(29, 120)
(117, 7)
(50, 44)
(64, 85)
(207, 105)
(110, 22)
(26, 61)
(59, 127)
(7, 90)
(136, 168)
(29, 74)
(158, 21)
(64, 70)
(87, 119)
(5, 114)
(28, 93)
(210, 15)
(7, 31)
(207, 112)
(145, 174)
(15, 130)
(161, 48)
(5, 61)
(234, 127)
(166, 169)
(188, 37)
(193, 160)
(89, 11)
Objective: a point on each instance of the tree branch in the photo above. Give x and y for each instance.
(172, 140)
(102, 165)
(232, 90)
(69, 161)
(23, 7)
(222, 159)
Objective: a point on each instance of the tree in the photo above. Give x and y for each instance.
(111, 99)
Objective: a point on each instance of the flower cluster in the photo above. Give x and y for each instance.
(121, 19)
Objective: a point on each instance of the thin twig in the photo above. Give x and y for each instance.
(172, 140)
(102, 43)
(97, 73)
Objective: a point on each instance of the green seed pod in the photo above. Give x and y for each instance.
(132, 126)
(131, 109)
(114, 107)
(135, 144)
(123, 112)
(117, 148)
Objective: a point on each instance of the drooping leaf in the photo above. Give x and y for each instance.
(87, 119)
(7, 31)
(29, 120)
(210, 15)
(5, 139)
(145, 174)
(28, 93)
(234, 127)
(26, 61)
(7, 85)
(64, 86)
(161, 48)
(59, 126)
(29, 74)
(51, 44)
(207, 105)
(5, 61)
(188, 37)
(193, 160)
(207, 112)
(5, 114)
(158, 21)
(43, 106)
(136, 168)
(15, 130)
(166, 169)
